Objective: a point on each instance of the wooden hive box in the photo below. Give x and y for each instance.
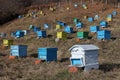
(58, 27)
(104, 34)
(19, 33)
(47, 54)
(94, 28)
(7, 42)
(75, 20)
(68, 29)
(18, 50)
(103, 24)
(41, 33)
(90, 19)
(82, 34)
(61, 35)
(79, 25)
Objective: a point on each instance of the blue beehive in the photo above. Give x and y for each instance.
(114, 13)
(46, 26)
(79, 25)
(18, 50)
(47, 54)
(90, 19)
(103, 24)
(35, 29)
(68, 29)
(61, 23)
(19, 34)
(20, 16)
(94, 28)
(103, 34)
(41, 33)
(109, 16)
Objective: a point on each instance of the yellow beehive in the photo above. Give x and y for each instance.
(85, 17)
(109, 19)
(7, 42)
(51, 9)
(85, 7)
(41, 13)
(58, 27)
(67, 8)
(61, 35)
(27, 15)
(30, 14)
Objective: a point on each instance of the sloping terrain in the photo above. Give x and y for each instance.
(25, 69)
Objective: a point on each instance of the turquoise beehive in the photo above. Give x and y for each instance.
(47, 54)
(94, 28)
(104, 34)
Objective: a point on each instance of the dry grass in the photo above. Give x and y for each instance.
(25, 69)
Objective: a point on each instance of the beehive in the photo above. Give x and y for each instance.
(90, 19)
(68, 29)
(61, 23)
(58, 27)
(20, 16)
(47, 54)
(94, 28)
(41, 13)
(46, 26)
(103, 24)
(41, 33)
(114, 13)
(79, 25)
(31, 27)
(7, 42)
(19, 33)
(96, 17)
(75, 5)
(85, 56)
(82, 35)
(84, 6)
(51, 9)
(61, 35)
(3, 35)
(35, 29)
(103, 34)
(18, 50)
(25, 32)
(85, 17)
(109, 17)
(75, 20)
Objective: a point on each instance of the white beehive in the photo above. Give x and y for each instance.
(85, 56)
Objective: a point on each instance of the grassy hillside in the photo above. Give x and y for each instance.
(25, 69)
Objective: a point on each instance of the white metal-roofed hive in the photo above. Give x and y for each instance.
(84, 56)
